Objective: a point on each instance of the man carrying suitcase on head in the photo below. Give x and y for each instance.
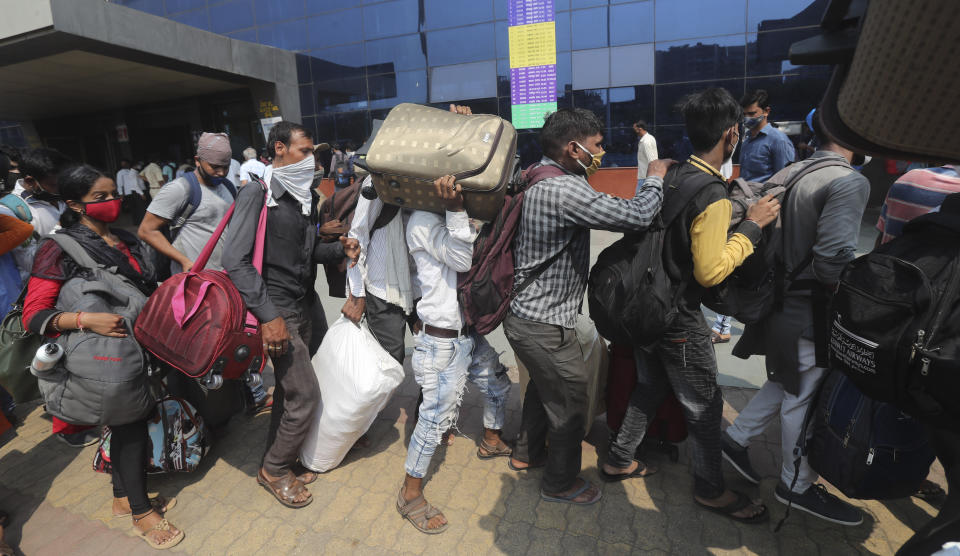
(283, 298)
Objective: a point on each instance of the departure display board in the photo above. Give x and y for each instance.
(533, 62)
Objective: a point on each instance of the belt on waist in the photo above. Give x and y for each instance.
(444, 332)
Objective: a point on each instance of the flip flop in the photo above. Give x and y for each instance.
(160, 504)
(569, 499)
(527, 468)
(740, 503)
(641, 471)
(162, 525)
(498, 451)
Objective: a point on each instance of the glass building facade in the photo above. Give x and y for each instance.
(626, 60)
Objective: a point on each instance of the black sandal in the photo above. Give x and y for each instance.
(740, 503)
(642, 471)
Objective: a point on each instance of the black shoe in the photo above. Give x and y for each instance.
(817, 501)
(80, 439)
(737, 456)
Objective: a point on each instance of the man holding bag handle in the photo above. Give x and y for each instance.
(283, 298)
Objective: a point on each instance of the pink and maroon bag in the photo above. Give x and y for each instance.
(197, 321)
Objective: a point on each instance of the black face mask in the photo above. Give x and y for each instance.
(11, 180)
(42, 194)
(858, 159)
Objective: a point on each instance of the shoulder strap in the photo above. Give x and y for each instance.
(18, 206)
(194, 198)
(387, 214)
(75, 251)
(259, 242)
(808, 168)
(674, 207)
(535, 173)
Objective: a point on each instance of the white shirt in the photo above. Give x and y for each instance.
(440, 249)
(233, 174)
(373, 261)
(646, 153)
(128, 182)
(252, 166)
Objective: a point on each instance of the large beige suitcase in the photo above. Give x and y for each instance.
(417, 144)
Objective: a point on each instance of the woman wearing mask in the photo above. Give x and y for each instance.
(92, 204)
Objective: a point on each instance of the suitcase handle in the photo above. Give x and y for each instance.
(180, 301)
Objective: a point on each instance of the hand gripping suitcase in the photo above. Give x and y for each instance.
(197, 322)
(418, 144)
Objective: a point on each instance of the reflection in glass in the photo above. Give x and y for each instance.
(289, 35)
(390, 89)
(335, 28)
(406, 52)
(562, 27)
(528, 147)
(337, 62)
(277, 10)
(631, 65)
(392, 18)
(589, 28)
(670, 142)
(793, 96)
(591, 68)
(441, 14)
(594, 100)
(306, 100)
(682, 19)
(341, 94)
(767, 52)
(669, 97)
(630, 104)
(700, 59)
(464, 44)
(353, 126)
(767, 15)
(463, 81)
(621, 146)
(631, 23)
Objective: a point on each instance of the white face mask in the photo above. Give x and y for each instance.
(296, 179)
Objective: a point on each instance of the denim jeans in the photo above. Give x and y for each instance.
(722, 324)
(685, 361)
(441, 367)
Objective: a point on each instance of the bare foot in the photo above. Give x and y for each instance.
(448, 438)
(755, 508)
(146, 522)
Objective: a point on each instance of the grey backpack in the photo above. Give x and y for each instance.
(100, 380)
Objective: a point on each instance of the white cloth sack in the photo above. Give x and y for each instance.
(357, 378)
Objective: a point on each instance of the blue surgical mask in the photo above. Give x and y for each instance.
(753, 122)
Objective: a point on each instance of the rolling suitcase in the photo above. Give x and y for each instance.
(418, 144)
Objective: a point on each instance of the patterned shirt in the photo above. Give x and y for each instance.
(916, 193)
(558, 214)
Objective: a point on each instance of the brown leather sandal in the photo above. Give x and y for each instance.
(486, 451)
(162, 525)
(285, 490)
(419, 512)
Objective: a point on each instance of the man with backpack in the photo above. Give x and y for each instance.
(552, 258)
(821, 223)
(697, 254)
(191, 218)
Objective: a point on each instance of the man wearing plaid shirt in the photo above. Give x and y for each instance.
(553, 243)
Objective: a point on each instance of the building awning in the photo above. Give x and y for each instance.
(62, 57)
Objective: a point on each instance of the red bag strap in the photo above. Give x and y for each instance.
(258, 244)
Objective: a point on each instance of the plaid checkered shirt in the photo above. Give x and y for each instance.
(558, 214)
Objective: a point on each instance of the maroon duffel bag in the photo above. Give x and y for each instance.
(197, 321)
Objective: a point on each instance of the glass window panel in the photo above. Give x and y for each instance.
(307, 105)
(562, 31)
(631, 65)
(631, 23)
(528, 147)
(505, 109)
(767, 52)
(337, 62)
(620, 143)
(630, 104)
(793, 96)
(392, 18)
(700, 59)
(326, 128)
(341, 94)
(303, 68)
(503, 39)
(405, 53)
(319, 6)
(406, 86)
(564, 73)
(670, 96)
(335, 28)
(270, 11)
(174, 6)
(574, 4)
(231, 16)
(477, 105)
(289, 35)
(353, 126)
(681, 19)
(464, 44)
(310, 122)
(196, 18)
(594, 100)
(440, 14)
(670, 142)
(591, 69)
(503, 78)
(463, 81)
(767, 15)
(591, 28)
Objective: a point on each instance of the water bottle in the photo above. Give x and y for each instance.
(47, 356)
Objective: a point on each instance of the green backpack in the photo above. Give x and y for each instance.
(18, 346)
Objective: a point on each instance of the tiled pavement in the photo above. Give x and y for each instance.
(60, 506)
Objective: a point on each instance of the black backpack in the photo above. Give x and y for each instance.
(631, 298)
(756, 288)
(895, 321)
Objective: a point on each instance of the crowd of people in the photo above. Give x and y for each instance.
(403, 272)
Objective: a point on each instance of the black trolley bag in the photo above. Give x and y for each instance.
(895, 321)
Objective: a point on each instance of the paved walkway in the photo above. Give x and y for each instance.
(60, 506)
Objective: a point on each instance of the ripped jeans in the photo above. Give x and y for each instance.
(441, 367)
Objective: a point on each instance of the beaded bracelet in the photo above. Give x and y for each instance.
(55, 324)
